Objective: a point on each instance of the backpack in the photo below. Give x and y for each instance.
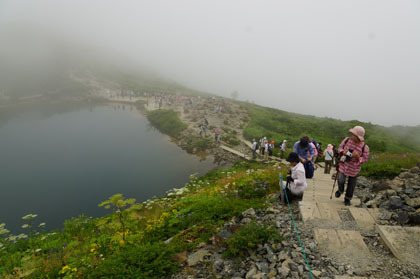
(309, 169)
(317, 146)
(257, 146)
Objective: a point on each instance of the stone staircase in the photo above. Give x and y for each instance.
(345, 244)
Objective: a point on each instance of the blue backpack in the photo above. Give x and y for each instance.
(309, 169)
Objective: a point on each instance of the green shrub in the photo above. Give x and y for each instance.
(149, 260)
(249, 237)
(199, 144)
(166, 121)
(388, 165)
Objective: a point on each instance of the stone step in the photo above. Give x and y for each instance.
(344, 246)
(404, 242)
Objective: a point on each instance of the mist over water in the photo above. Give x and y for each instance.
(347, 60)
(60, 162)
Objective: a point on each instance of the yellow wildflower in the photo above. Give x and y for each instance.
(74, 270)
(64, 269)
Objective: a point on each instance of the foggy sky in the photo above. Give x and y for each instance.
(342, 59)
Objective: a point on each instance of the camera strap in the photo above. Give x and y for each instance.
(363, 148)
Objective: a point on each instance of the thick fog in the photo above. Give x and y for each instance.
(342, 59)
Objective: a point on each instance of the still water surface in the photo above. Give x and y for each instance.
(62, 162)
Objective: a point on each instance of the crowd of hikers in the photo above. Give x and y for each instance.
(347, 160)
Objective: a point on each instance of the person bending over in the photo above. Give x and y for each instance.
(296, 180)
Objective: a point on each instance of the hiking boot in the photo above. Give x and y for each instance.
(347, 202)
(337, 194)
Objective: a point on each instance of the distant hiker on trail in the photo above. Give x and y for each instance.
(262, 148)
(206, 122)
(283, 148)
(270, 148)
(328, 157)
(353, 153)
(254, 148)
(203, 130)
(296, 179)
(217, 135)
(305, 153)
(265, 144)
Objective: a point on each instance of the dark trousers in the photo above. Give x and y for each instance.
(328, 166)
(351, 184)
(291, 196)
(254, 154)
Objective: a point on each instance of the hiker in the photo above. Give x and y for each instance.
(305, 153)
(283, 149)
(265, 142)
(262, 149)
(203, 130)
(353, 153)
(328, 157)
(296, 179)
(217, 135)
(206, 122)
(270, 148)
(303, 149)
(254, 148)
(315, 156)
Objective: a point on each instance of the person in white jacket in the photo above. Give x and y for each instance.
(296, 181)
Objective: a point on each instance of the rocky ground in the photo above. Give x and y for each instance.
(398, 198)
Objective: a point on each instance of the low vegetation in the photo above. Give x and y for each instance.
(278, 125)
(143, 240)
(166, 121)
(389, 165)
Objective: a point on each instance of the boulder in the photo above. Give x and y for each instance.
(251, 273)
(395, 202)
(381, 186)
(197, 257)
(396, 182)
(413, 202)
(415, 170)
(402, 218)
(283, 272)
(414, 218)
(390, 193)
(385, 215)
(249, 213)
(363, 182)
(408, 175)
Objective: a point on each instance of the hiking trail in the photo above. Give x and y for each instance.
(339, 230)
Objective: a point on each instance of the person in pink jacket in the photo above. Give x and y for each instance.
(353, 152)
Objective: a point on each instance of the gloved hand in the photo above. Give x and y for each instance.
(290, 179)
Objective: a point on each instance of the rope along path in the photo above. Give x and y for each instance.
(296, 230)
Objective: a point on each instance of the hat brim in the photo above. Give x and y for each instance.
(361, 138)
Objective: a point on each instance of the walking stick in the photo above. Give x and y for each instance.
(335, 180)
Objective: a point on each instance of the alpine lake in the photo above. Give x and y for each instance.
(61, 161)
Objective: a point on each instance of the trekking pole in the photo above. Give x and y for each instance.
(335, 180)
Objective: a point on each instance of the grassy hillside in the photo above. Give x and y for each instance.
(278, 125)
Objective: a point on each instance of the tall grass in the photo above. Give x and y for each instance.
(166, 121)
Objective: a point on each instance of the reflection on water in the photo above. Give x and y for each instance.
(62, 161)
